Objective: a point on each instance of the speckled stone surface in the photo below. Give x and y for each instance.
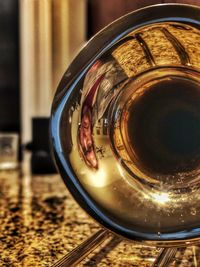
(40, 223)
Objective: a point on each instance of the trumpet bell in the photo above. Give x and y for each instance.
(125, 126)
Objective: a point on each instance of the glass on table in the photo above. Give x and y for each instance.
(9, 143)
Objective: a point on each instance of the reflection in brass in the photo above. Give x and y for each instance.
(126, 129)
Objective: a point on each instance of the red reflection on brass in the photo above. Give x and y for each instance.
(85, 130)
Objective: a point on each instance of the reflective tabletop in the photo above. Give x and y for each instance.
(40, 223)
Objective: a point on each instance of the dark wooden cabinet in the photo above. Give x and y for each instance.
(9, 67)
(103, 12)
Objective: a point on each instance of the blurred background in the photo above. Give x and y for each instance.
(38, 40)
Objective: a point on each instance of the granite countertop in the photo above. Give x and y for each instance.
(40, 223)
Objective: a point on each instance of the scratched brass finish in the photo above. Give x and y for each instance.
(132, 176)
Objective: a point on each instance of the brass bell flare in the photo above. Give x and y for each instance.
(125, 126)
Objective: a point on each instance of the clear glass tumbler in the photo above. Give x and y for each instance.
(9, 143)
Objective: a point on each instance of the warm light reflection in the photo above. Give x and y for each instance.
(161, 198)
(98, 178)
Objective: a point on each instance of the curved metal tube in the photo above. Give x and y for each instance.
(81, 251)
